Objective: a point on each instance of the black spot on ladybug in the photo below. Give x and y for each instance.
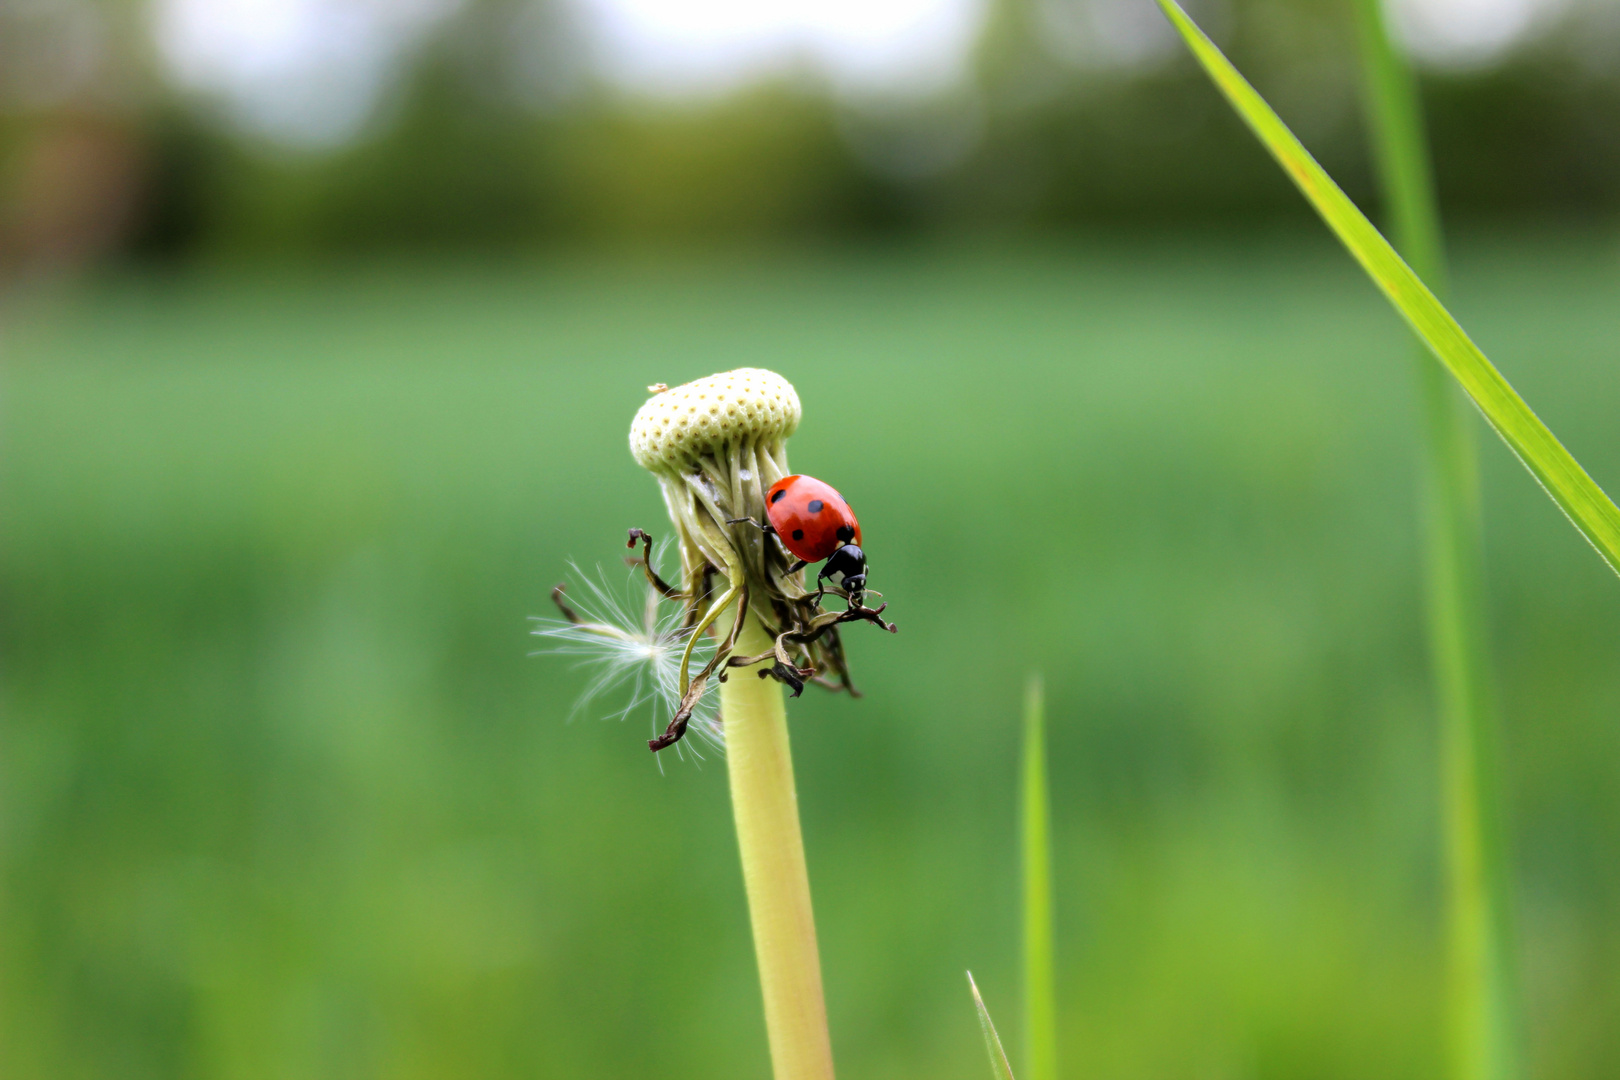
(778, 496)
(798, 534)
(845, 533)
(815, 506)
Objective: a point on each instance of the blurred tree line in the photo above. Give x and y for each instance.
(494, 133)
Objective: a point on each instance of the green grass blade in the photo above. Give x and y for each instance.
(1581, 500)
(1482, 1018)
(1040, 993)
(992, 1042)
(1400, 148)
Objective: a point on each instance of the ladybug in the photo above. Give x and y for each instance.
(814, 523)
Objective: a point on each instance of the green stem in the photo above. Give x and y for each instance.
(1040, 993)
(1482, 1035)
(766, 809)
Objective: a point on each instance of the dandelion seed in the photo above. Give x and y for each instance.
(632, 644)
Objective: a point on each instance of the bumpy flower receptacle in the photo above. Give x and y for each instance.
(675, 428)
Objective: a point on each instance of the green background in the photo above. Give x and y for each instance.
(282, 793)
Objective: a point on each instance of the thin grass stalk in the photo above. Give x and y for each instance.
(1040, 989)
(1480, 1007)
(766, 808)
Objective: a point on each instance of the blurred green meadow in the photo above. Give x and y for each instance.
(283, 793)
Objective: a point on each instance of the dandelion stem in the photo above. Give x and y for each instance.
(766, 809)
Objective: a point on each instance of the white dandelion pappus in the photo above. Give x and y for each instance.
(633, 640)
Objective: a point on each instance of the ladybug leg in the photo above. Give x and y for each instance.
(796, 567)
(768, 530)
(821, 587)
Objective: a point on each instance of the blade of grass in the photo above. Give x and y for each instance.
(1481, 1005)
(1400, 147)
(1577, 495)
(992, 1042)
(1040, 994)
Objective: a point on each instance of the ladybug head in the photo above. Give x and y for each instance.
(847, 567)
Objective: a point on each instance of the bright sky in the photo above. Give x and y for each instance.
(311, 71)
(304, 71)
(857, 44)
(1461, 32)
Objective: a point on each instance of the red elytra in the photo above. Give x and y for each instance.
(812, 519)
